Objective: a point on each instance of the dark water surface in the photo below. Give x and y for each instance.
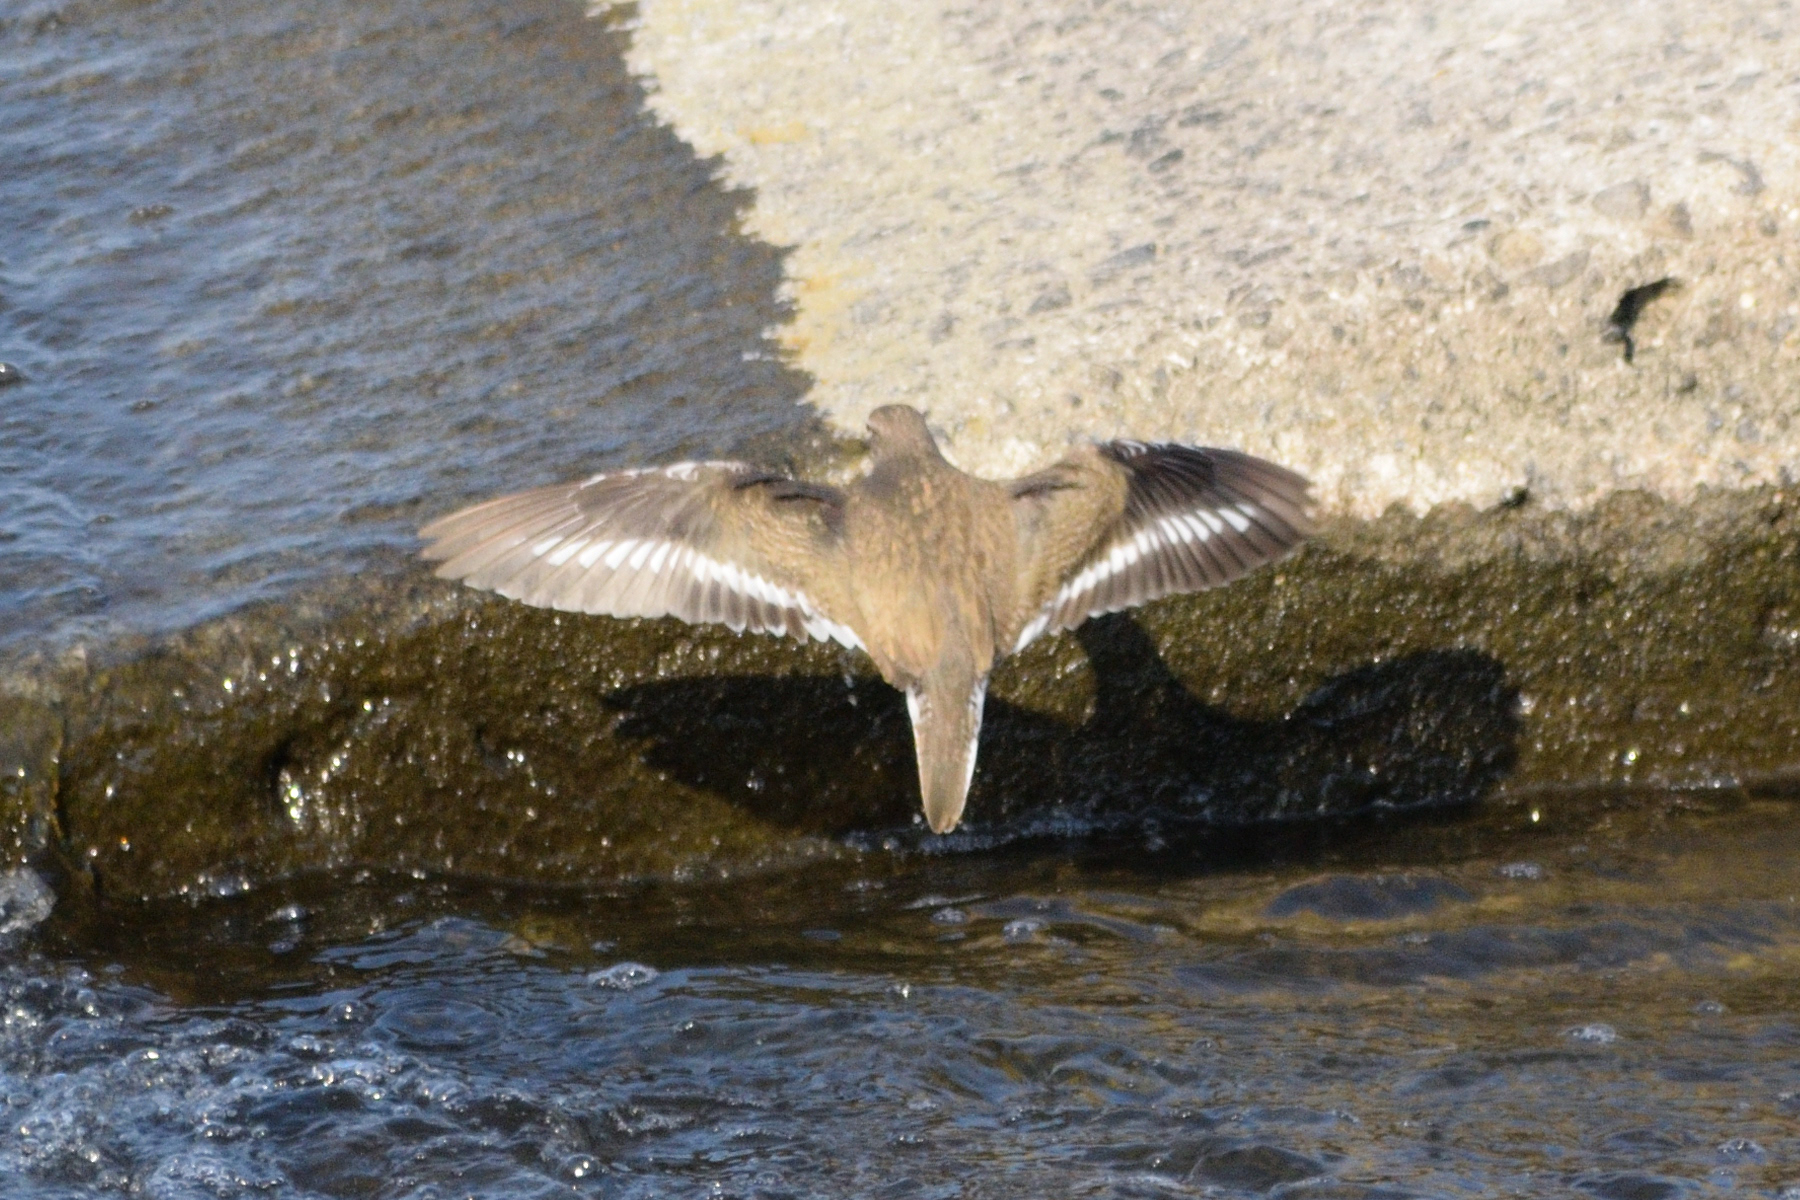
(285, 279)
(1600, 1001)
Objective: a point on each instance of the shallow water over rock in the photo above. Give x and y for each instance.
(1585, 995)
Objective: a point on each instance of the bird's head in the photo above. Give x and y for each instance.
(899, 428)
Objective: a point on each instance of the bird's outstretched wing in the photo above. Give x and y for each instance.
(1122, 523)
(715, 542)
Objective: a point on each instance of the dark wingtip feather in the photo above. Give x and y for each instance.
(1194, 518)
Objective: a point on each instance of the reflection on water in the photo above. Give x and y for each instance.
(1579, 995)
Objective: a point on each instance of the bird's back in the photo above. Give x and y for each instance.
(932, 566)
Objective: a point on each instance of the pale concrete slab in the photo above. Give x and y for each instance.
(1380, 242)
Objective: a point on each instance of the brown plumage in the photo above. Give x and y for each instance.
(935, 573)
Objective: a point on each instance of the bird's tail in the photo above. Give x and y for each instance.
(946, 721)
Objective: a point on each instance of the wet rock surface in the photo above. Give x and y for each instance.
(426, 728)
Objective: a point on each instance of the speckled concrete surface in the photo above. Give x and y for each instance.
(1379, 242)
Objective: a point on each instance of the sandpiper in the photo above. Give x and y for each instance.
(936, 574)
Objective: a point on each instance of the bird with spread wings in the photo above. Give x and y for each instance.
(935, 573)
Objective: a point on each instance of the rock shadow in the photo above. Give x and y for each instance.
(832, 755)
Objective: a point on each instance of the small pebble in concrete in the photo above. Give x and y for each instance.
(1623, 201)
(10, 374)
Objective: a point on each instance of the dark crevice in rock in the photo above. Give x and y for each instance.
(1630, 307)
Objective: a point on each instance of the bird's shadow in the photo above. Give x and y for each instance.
(830, 755)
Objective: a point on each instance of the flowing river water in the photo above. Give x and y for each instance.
(284, 282)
